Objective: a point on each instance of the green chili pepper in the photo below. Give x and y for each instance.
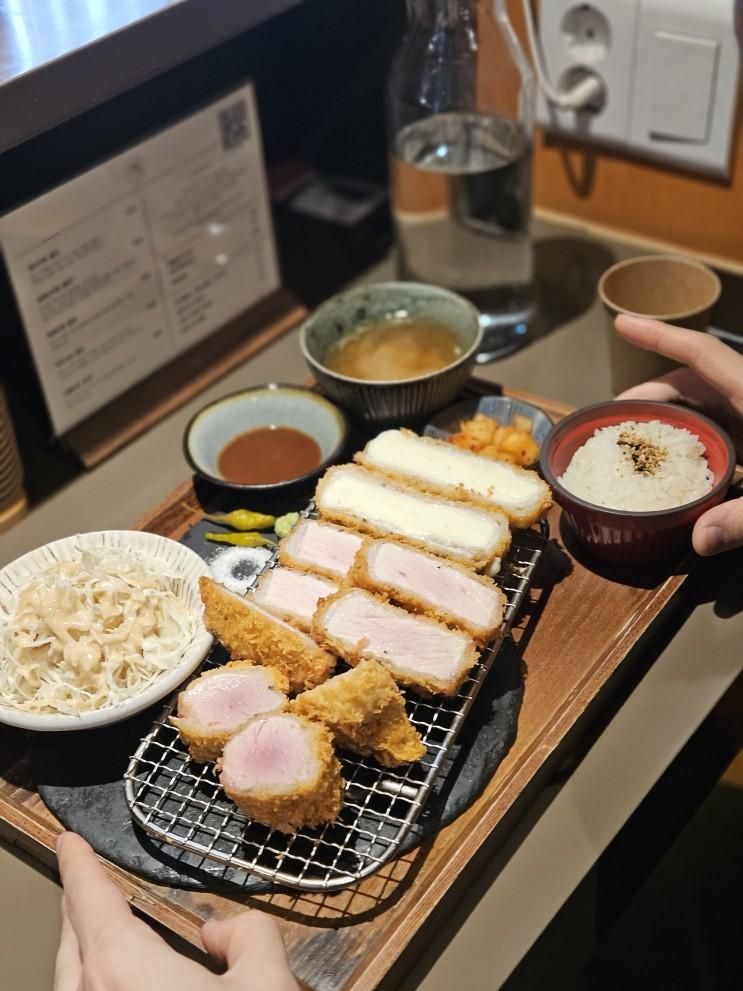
(240, 539)
(244, 519)
(285, 523)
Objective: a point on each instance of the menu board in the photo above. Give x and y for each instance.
(131, 263)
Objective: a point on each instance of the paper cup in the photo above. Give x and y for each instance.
(676, 290)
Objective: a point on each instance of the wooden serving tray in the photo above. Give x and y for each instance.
(577, 631)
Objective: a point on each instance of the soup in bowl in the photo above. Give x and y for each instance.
(395, 351)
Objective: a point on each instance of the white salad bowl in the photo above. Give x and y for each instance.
(167, 556)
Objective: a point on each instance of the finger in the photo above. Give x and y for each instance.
(714, 361)
(719, 529)
(94, 903)
(68, 971)
(656, 389)
(249, 944)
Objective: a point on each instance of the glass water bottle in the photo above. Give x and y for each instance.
(460, 110)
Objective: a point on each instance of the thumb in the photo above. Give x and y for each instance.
(251, 946)
(719, 529)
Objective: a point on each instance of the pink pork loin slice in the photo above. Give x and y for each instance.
(424, 583)
(416, 650)
(281, 771)
(218, 703)
(292, 595)
(322, 548)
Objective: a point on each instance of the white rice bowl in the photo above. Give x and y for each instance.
(639, 467)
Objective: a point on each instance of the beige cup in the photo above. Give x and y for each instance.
(664, 287)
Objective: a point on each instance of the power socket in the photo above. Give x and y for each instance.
(669, 70)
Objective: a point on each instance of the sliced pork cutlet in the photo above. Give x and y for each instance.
(427, 584)
(281, 770)
(250, 633)
(355, 497)
(292, 595)
(439, 467)
(418, 652)
(320, 547)
(365, 712)
(217, 704)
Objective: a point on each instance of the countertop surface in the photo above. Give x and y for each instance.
(545, 862)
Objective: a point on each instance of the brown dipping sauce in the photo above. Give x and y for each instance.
(268, 454)
(394, 348)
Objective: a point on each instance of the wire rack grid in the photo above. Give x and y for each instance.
(179, 802)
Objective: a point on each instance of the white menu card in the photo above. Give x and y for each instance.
(126, 266)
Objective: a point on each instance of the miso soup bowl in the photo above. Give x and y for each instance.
(383, 403)
(625, 536)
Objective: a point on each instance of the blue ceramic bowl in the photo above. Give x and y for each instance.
(272, 405)
(382, 402)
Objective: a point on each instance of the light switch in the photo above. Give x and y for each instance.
(683, 74)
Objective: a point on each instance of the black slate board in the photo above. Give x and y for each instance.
(80, 776)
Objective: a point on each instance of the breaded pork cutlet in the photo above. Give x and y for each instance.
(419, 652)
(250, 633)
(322, 548)
(281, 770)
(365, 712)
(354, 497)
(217, 704)
(292, 595)
(427, 584)
(443, 469)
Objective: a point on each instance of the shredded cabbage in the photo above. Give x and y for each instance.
(91, 633)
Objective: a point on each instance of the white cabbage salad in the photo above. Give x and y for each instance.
(88, 634)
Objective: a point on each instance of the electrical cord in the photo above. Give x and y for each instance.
(588, 90)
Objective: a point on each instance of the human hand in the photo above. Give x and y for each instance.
(102, 945)
(713, 379)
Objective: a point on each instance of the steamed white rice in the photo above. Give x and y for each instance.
(639, 466)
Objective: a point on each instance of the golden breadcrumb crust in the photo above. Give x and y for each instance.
(205, 744)
(520, 518)
(359, 523)
(422, 683)
(365, 712)
(361, 577)
(310, 804)
(305, 625)
(311, 567)
(250, 634)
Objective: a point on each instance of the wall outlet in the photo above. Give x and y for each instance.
(669, 70)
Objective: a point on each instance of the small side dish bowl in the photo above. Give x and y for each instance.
(500, 408)
(170, 558)
(627, 536)
(216, 425)
(386, 402)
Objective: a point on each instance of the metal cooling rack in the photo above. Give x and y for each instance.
(180, 802)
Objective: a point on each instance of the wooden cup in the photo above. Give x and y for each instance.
(664, 287)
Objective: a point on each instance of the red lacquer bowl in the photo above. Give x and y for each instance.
(624, 536)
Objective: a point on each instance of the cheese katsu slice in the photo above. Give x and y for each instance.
(250, 633)
(292, 595)
(424, 583)
(365, 712)
(355, 497)
(439, 467)
(217, 704)
(416, 650)
(321, 548)
(281, 770)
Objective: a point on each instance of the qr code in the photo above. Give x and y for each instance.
(234, 125)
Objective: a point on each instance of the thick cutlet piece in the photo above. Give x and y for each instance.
(443, 469)
(281, 771)
(217, 704)
(321, 548)
(292, 595)
(418, 651)
(427, 584)
(252, 634)
(355, 497)
(365, 712)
